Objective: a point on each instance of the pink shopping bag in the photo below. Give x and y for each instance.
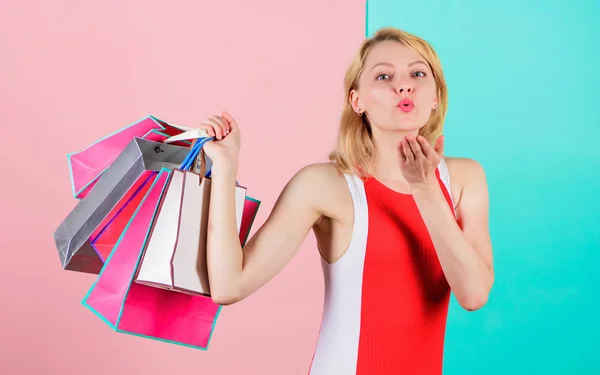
(147, 311)
(86, 166)
(144, 310)
(154, 135)
(107, 234)
(108, 292)
(161, 136)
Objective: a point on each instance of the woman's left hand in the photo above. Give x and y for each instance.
(419, 160)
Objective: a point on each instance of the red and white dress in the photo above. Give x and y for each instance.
(386, 299)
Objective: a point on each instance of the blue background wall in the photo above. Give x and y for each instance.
(523, 86)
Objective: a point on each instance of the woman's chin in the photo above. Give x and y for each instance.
(406, 125)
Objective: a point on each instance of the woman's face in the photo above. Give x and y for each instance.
(396, 89)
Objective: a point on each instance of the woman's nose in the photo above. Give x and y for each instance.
(404, 89)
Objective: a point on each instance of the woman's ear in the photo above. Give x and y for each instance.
(355, 102)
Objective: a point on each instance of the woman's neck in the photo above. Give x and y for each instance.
(386, 166)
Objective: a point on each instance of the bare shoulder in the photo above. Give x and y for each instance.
(323, 186)
(473, 208)
(319, 172)
(469, 184)
(464, 169)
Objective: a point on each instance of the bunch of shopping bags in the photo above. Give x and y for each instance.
(140, 224)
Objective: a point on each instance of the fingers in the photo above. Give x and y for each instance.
(222, 123)
(206, 125)
(418, 158)
(215, 126)
(415, 147)
(219, 126)
(230, 120)
(403, 157)
(408, 152)
(426, 148)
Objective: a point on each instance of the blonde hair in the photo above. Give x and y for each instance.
(354, 149)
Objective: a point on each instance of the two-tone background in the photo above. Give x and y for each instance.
(523, 81)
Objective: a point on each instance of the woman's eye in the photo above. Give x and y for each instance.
(419, 74)
(382, 75)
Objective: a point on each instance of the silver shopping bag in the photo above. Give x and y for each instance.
(135, 162)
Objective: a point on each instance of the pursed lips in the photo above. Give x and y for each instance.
(406, 105)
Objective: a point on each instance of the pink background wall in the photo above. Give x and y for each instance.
(74, 71)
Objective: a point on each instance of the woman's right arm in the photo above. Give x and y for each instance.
(234, 274)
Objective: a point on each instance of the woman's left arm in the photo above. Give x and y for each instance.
(462, 243)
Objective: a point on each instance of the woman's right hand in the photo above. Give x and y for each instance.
(226, 145)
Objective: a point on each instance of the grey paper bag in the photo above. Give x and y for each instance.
(72, 237)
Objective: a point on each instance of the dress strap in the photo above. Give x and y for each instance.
(445, 177)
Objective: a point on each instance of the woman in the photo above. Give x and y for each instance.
(398, 225)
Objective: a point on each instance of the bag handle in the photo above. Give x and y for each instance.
(199, 137)
(188, 135)
(196, 153)
(201, 158)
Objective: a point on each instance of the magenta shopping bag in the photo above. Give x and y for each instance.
(160, 136)
(144, 310)
(86, 166)
(108, 233)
